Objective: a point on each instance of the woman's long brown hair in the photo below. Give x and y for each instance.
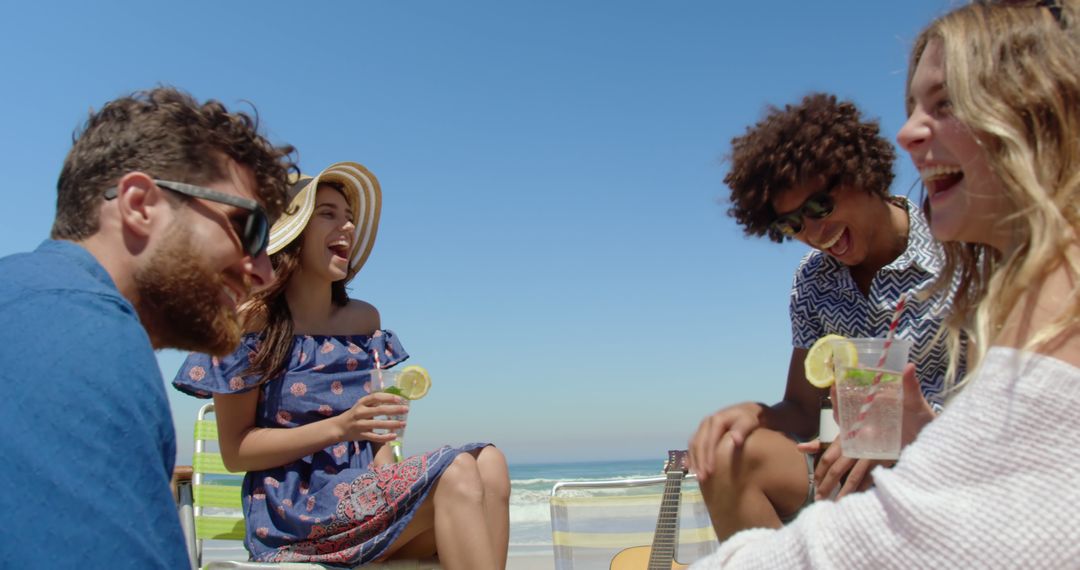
(269, 310)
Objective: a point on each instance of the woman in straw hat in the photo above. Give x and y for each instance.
(294, 413)
(993, 99)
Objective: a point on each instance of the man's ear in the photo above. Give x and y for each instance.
(139, 201)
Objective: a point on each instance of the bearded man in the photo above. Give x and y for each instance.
(162, 218)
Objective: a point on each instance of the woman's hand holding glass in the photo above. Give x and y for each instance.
(833, 469)
(360, 423)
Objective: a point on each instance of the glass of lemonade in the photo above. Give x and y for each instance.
(877, 436)
(386, 380)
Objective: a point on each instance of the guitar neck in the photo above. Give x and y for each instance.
(667, 524)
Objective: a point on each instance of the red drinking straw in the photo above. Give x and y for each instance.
(864, 410)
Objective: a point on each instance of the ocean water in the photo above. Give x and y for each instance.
(530, 490)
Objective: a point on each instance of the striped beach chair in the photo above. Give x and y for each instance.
(622, 522)
(209, 501)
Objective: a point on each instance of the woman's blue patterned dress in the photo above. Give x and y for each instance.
(331, 507)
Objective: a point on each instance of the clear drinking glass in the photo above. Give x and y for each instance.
(385, 380)
(870, 397)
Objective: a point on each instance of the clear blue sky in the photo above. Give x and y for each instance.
(553, 247)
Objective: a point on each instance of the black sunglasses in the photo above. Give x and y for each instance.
(255, 231)
(816, 207)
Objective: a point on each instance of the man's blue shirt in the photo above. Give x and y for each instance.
(88, 442)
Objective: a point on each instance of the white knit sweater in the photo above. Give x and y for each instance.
(994, 482)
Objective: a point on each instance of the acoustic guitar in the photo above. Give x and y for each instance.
(661, 555)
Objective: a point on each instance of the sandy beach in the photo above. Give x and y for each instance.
(530, 562)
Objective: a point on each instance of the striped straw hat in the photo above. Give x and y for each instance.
(364, 197)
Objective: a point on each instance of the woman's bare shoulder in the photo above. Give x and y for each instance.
(357, 318)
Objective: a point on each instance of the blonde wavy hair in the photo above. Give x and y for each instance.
(1012, 71)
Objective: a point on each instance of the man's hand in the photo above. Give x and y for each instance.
(851, 475)
(738, 421)
(833, 469)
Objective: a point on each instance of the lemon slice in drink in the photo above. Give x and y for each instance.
(413, 382)
(824, 356)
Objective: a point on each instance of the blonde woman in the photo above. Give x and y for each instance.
(294, 409)
(994, 129)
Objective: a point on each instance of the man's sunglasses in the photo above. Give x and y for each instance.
(254, 231)
(816, 207)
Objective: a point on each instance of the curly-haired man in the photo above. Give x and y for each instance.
(820, 173)
(162, 216)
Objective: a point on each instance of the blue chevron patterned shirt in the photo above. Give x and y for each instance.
(825, 299)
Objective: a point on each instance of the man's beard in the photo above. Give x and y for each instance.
(178, 300)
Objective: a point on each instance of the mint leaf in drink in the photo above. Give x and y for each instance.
(866, 377)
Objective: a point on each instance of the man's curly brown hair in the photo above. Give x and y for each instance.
(821, 138)
(167, 134)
